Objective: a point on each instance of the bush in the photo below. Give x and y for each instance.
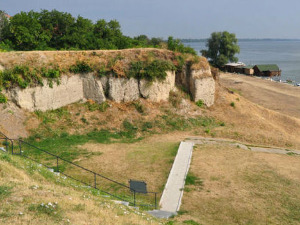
(80, 67)
(150, 70)
(3, 98)
(200, 103)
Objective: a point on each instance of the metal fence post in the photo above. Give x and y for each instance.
(95, 182)
(6, 143)
(155, 201)
(134, 198)
(57, 170)
(12, 147)
(20, 147)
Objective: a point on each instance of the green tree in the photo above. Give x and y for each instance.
(26, 32)
(81, 34)
(177, 46)
(3, 23)
(58, 25)
(222, 47)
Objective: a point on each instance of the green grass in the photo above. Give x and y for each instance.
(191, 179)
(190, 222)
(50, 209)
(5, 191)
(95, 106)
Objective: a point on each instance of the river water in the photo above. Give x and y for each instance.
(284, 53)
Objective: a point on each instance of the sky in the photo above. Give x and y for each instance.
(181, 18)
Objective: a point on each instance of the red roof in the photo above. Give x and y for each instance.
(8, 16)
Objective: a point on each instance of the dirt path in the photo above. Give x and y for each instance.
(276, 96)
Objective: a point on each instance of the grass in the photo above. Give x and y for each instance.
(5, 191)
(56, 200)
(242, 187)
(191, 179)
(139, 107)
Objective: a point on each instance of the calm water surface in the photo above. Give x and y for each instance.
(284, 53)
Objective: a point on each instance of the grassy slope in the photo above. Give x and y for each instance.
(24, 188)
(224, 172)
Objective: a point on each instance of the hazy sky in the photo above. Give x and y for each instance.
(181, 18)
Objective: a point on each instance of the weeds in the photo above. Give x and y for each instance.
(95, 106)
(50, 209)
(175, 99)
(139, 107)
(232, 104)
(200, 103)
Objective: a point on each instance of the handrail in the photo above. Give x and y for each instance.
(75, 164)
(67, 161)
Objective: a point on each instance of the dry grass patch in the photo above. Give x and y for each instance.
(149, 160)
(36, 196)
(242, 187)
(249, 122)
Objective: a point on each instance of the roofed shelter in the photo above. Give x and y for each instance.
(234, 67)
(267, 70)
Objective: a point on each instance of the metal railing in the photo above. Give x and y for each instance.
(76, 172)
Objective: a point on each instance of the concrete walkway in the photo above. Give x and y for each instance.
(171, 198)
(214, 141)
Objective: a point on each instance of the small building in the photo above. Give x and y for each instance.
(234, 67)
(248, 70)
(267, 70)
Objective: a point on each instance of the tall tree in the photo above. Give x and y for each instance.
(58, 25)
(222, 47)
(26, 32)
(81, 34)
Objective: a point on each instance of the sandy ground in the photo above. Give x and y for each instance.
(276, 96)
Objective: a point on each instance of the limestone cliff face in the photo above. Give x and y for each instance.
(158, 90)
(196, 78)
(74, 88)
(43, 98)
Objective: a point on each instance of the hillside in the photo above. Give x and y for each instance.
(30, 194)
(139, 139)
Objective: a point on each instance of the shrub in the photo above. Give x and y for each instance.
(3, 98)
(80, 67)
(200, 103)
(232, 104)
(150, 70)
